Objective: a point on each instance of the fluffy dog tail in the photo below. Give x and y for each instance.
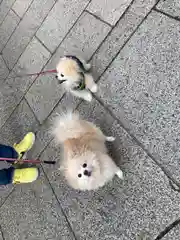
(67, 126)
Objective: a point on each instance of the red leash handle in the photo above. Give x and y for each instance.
(27, 161)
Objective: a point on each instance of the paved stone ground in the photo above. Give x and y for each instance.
(134, 50)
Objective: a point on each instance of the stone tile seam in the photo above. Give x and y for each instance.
(68, 31)
(2, 234)
(53, 109)
(43, 44)
(7, 12)
(109, 33)
(174, 187)
(24, 12)
(177, 18)
(34, 35)
(168, 229)
(165, 170)
(17, 24)
(6, 65)
(22, 97)
(6, 198)
(59, 203)
(15, 13)
(98, 18)
(128, 39)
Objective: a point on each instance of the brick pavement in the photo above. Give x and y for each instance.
(134, 50)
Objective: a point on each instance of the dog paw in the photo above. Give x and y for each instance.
(94, 88)
(119, 173)
(88, 97)
(110, 139)
(88, 66)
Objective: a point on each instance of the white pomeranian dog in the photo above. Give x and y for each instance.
(74, 74)
(85, 162)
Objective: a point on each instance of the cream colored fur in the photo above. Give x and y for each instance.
(84, 143)
(71, 73)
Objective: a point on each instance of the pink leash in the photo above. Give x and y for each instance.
(27, 161)
(35, 74)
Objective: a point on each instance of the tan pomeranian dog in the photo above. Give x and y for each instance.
(85, 162)
(74, 73)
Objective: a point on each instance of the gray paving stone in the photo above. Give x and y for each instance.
(110, 11)
(22, 119)
(171, 7)
(44, 95)
(85, 37)
(39, 216)
(83, 40)
(25, 31)
(43, 135)
(7, 28)
(174, 234)
(8, 101)
(120, 210)
(59, 21)
(32, 60)
(21, 6)
(3, 70)
(120, 34)
(4, 8)
(142, 88)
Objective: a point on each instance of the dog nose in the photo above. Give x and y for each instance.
(87, 173)
(61, 81)
(56, 77)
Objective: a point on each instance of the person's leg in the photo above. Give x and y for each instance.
(17, 176)
(18, 150)
(6, 176)
(7, 152)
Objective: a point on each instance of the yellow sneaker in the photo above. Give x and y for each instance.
(25, 145)
(25, 175)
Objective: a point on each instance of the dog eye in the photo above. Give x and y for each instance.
(84, 165)
(79, 175)
(62, 75)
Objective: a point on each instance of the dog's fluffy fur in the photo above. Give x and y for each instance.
(84, 151)
(71, 72)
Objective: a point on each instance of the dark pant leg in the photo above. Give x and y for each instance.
(7, 152)
(6, 176)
